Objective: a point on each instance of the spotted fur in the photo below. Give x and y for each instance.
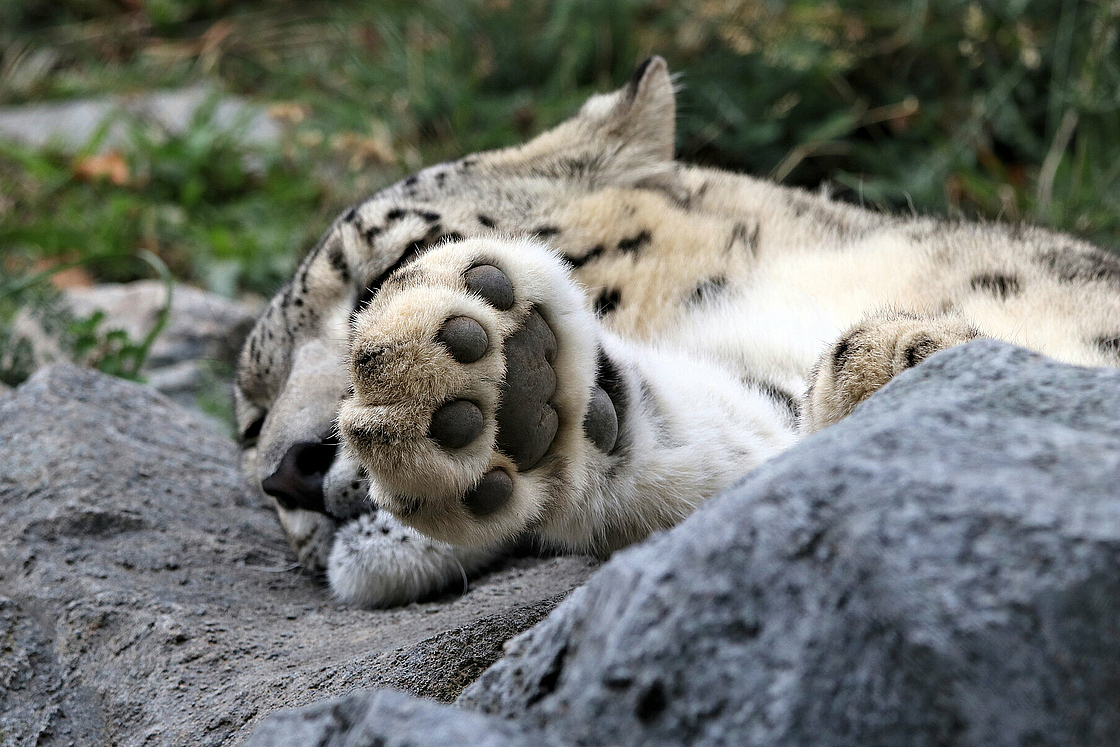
(703, 322)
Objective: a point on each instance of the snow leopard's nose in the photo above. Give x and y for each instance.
(298, 481)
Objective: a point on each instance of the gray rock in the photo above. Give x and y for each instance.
(70, 125)
(386, 719)
(192, 356)
(942, 567)
(147, 597)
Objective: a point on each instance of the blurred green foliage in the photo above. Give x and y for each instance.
(1000, 110)
(85, 339)
(189, 198)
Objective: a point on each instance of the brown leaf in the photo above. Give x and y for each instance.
(71, 277)
(364, 149)
(110, 165)
(288, 112)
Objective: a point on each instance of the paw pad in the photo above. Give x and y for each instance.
(492, 284)
(492, 492)
(464, 338)
(601, 422)
(456, 424)
(527, 423)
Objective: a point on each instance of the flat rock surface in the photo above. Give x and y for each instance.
(940, 568)
(148, 597)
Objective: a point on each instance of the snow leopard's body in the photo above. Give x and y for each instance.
(584, 339)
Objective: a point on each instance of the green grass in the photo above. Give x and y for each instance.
(1007, 110)
(188, 199)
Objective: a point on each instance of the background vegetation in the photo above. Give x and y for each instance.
(1000, 110)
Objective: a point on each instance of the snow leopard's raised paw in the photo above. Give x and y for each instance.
(869, 355)
(473, 375)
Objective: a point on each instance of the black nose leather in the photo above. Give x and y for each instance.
(298, 481)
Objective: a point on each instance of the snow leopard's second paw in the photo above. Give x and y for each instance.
(869, 355)
(475, 404)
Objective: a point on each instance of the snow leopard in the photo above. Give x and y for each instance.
(580, 339)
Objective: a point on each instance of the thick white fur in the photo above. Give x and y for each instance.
(728, 297)
(376, 561)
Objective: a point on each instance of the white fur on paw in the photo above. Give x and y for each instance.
(869, 355)
(378, 562)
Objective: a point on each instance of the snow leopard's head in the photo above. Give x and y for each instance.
(292, 374)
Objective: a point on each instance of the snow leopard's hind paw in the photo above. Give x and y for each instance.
(474, 395)
(869, 355)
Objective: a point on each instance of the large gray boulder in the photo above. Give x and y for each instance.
(940, 568)
(147, 597)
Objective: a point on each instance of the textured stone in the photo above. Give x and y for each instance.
(386, 719)
(148, 597)
(942, 567)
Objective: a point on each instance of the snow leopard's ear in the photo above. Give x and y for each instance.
(623, 137)
(640, 117)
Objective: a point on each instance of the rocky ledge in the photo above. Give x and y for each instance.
(148, 598)
(941, 568)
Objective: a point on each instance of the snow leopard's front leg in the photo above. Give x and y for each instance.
(488, 400)
(869, 355)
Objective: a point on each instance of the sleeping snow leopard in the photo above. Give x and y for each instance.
(582, 339)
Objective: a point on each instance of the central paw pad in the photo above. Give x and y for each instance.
(526, 421)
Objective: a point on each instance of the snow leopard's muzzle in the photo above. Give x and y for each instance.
(300, 482)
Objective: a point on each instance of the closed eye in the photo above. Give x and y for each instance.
(411, 252)
(248, 437)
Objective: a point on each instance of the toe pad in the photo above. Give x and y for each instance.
(492, 284)
(601, 422)
(456, 424)
(491, 493)
(464, 338)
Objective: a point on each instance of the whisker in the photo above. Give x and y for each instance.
(463, 572)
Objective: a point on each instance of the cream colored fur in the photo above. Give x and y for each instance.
(738, 314)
